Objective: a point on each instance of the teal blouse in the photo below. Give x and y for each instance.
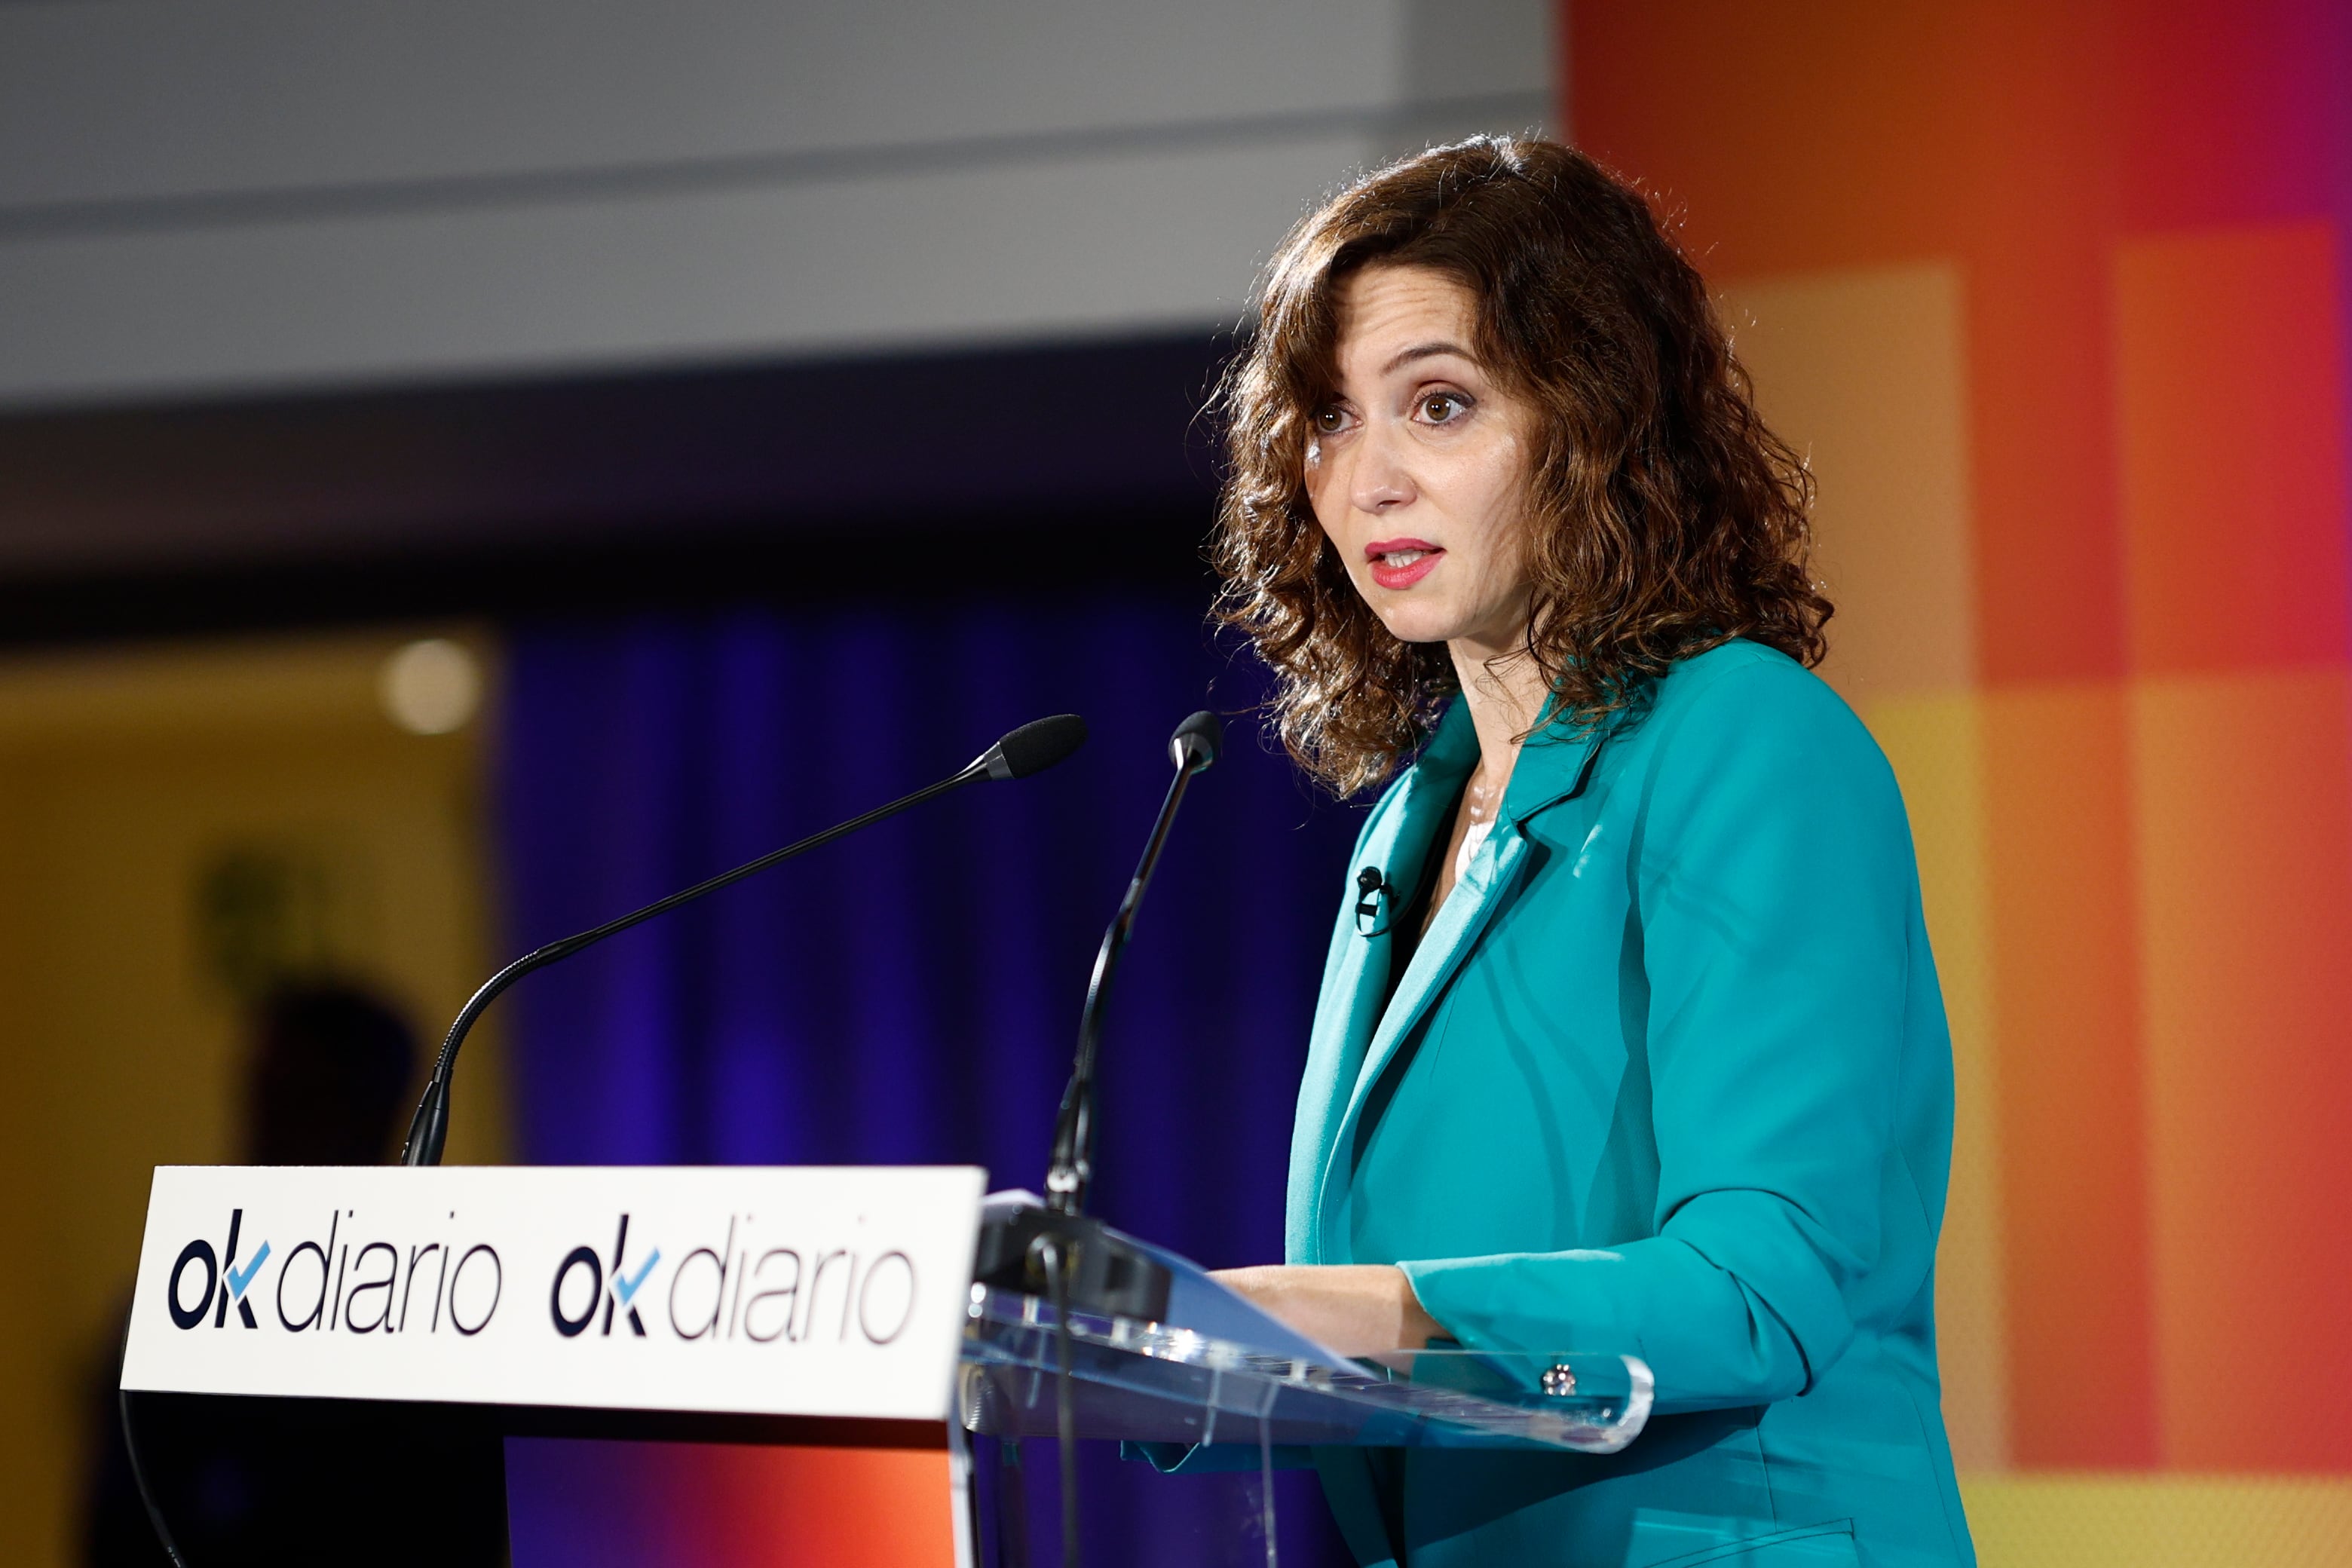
(1668, 1075)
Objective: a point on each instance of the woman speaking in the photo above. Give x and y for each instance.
(1629, 1037)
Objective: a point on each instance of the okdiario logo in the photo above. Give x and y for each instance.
(225, 1283)
(744, 1283)
(740, 1288)
(359, 1287)
(614, 1287)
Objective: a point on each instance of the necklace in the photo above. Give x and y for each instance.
(1480, 801)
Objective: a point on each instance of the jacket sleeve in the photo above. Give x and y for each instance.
(1772, 885)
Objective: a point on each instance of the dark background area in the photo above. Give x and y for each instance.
(941, 476)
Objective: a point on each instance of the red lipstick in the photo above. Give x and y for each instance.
(1402, 563)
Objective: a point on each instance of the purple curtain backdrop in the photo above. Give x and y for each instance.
(911, 994)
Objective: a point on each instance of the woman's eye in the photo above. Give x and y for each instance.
(1440, 408)
(1331, 421)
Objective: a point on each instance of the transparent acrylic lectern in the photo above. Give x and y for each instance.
(1216, 1380)
(1149, 1383)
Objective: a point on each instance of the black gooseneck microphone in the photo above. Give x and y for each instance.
(1056, 1252)
(1031, 748)
(1192, 749)
(1056, 1249)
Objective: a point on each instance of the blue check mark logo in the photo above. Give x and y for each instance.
(241, 1279)
(612, 1291)
(625, 1286)
(225, 1284)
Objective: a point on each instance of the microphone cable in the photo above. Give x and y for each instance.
(138, 1472)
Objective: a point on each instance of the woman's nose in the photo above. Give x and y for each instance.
(1379, 482)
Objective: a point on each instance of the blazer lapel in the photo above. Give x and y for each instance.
(1355, 978)
(1553, 765)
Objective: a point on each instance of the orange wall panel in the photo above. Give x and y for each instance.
(2232, 409)
(1849, 133)
(2144, 210)
(2246, 854)
(2051, 601)
(2073, 1158)
(1674, 94)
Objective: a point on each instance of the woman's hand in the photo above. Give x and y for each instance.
(1357, 1308)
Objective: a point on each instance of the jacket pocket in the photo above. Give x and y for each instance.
(1825, 1545)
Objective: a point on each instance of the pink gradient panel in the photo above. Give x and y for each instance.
(592, 1503)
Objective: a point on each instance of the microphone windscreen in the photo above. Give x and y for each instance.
(1197, 741)
(1037, 747)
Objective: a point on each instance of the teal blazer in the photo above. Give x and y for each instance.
(1668, 1075)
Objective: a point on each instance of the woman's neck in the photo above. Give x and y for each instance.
(1506, 695)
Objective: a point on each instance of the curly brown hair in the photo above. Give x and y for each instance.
(1665, 518)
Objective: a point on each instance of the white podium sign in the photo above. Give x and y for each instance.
(829, 1291)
